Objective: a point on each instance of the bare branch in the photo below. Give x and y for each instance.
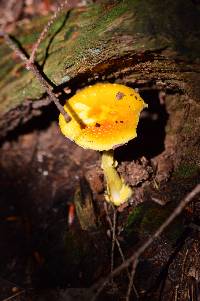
(48, 89)
(15, 295)
(45, 30)
(131, 280)
(135, 256)
(36, 72)
(13, 46)
(117, 241)
(119, 247)
(113, 238)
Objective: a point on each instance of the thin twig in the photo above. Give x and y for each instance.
(45, 31)
(183, 265)
(119, 247)
(116, 240)
(13, 46)
(176, 293)
(113, 239)
(48, 89)
(128, 294)
(13, 296)
(32, 67)
(149, 241)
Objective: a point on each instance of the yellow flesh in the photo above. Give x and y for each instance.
(103, 116)
(117, 191)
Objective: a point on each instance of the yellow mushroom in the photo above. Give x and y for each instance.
(104, 116)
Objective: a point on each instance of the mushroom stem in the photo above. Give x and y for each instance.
(117, 191)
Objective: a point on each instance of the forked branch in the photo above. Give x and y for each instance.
(135, 256)
(30, 62)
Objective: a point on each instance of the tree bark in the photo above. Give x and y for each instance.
(130, 41)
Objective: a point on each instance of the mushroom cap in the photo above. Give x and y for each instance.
(103, 116)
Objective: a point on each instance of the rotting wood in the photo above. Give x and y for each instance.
(154, 43)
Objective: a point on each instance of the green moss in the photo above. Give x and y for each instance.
(7, 67)
(152, 220)
(70, 31)
(135, 217)
(186, 170)
(146, 218)
(93, 28)
(106, 20)
(80, 40)
(100, 20)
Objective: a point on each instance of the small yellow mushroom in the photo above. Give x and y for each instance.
(104, 116)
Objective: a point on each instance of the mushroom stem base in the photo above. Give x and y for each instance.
(117, 191)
